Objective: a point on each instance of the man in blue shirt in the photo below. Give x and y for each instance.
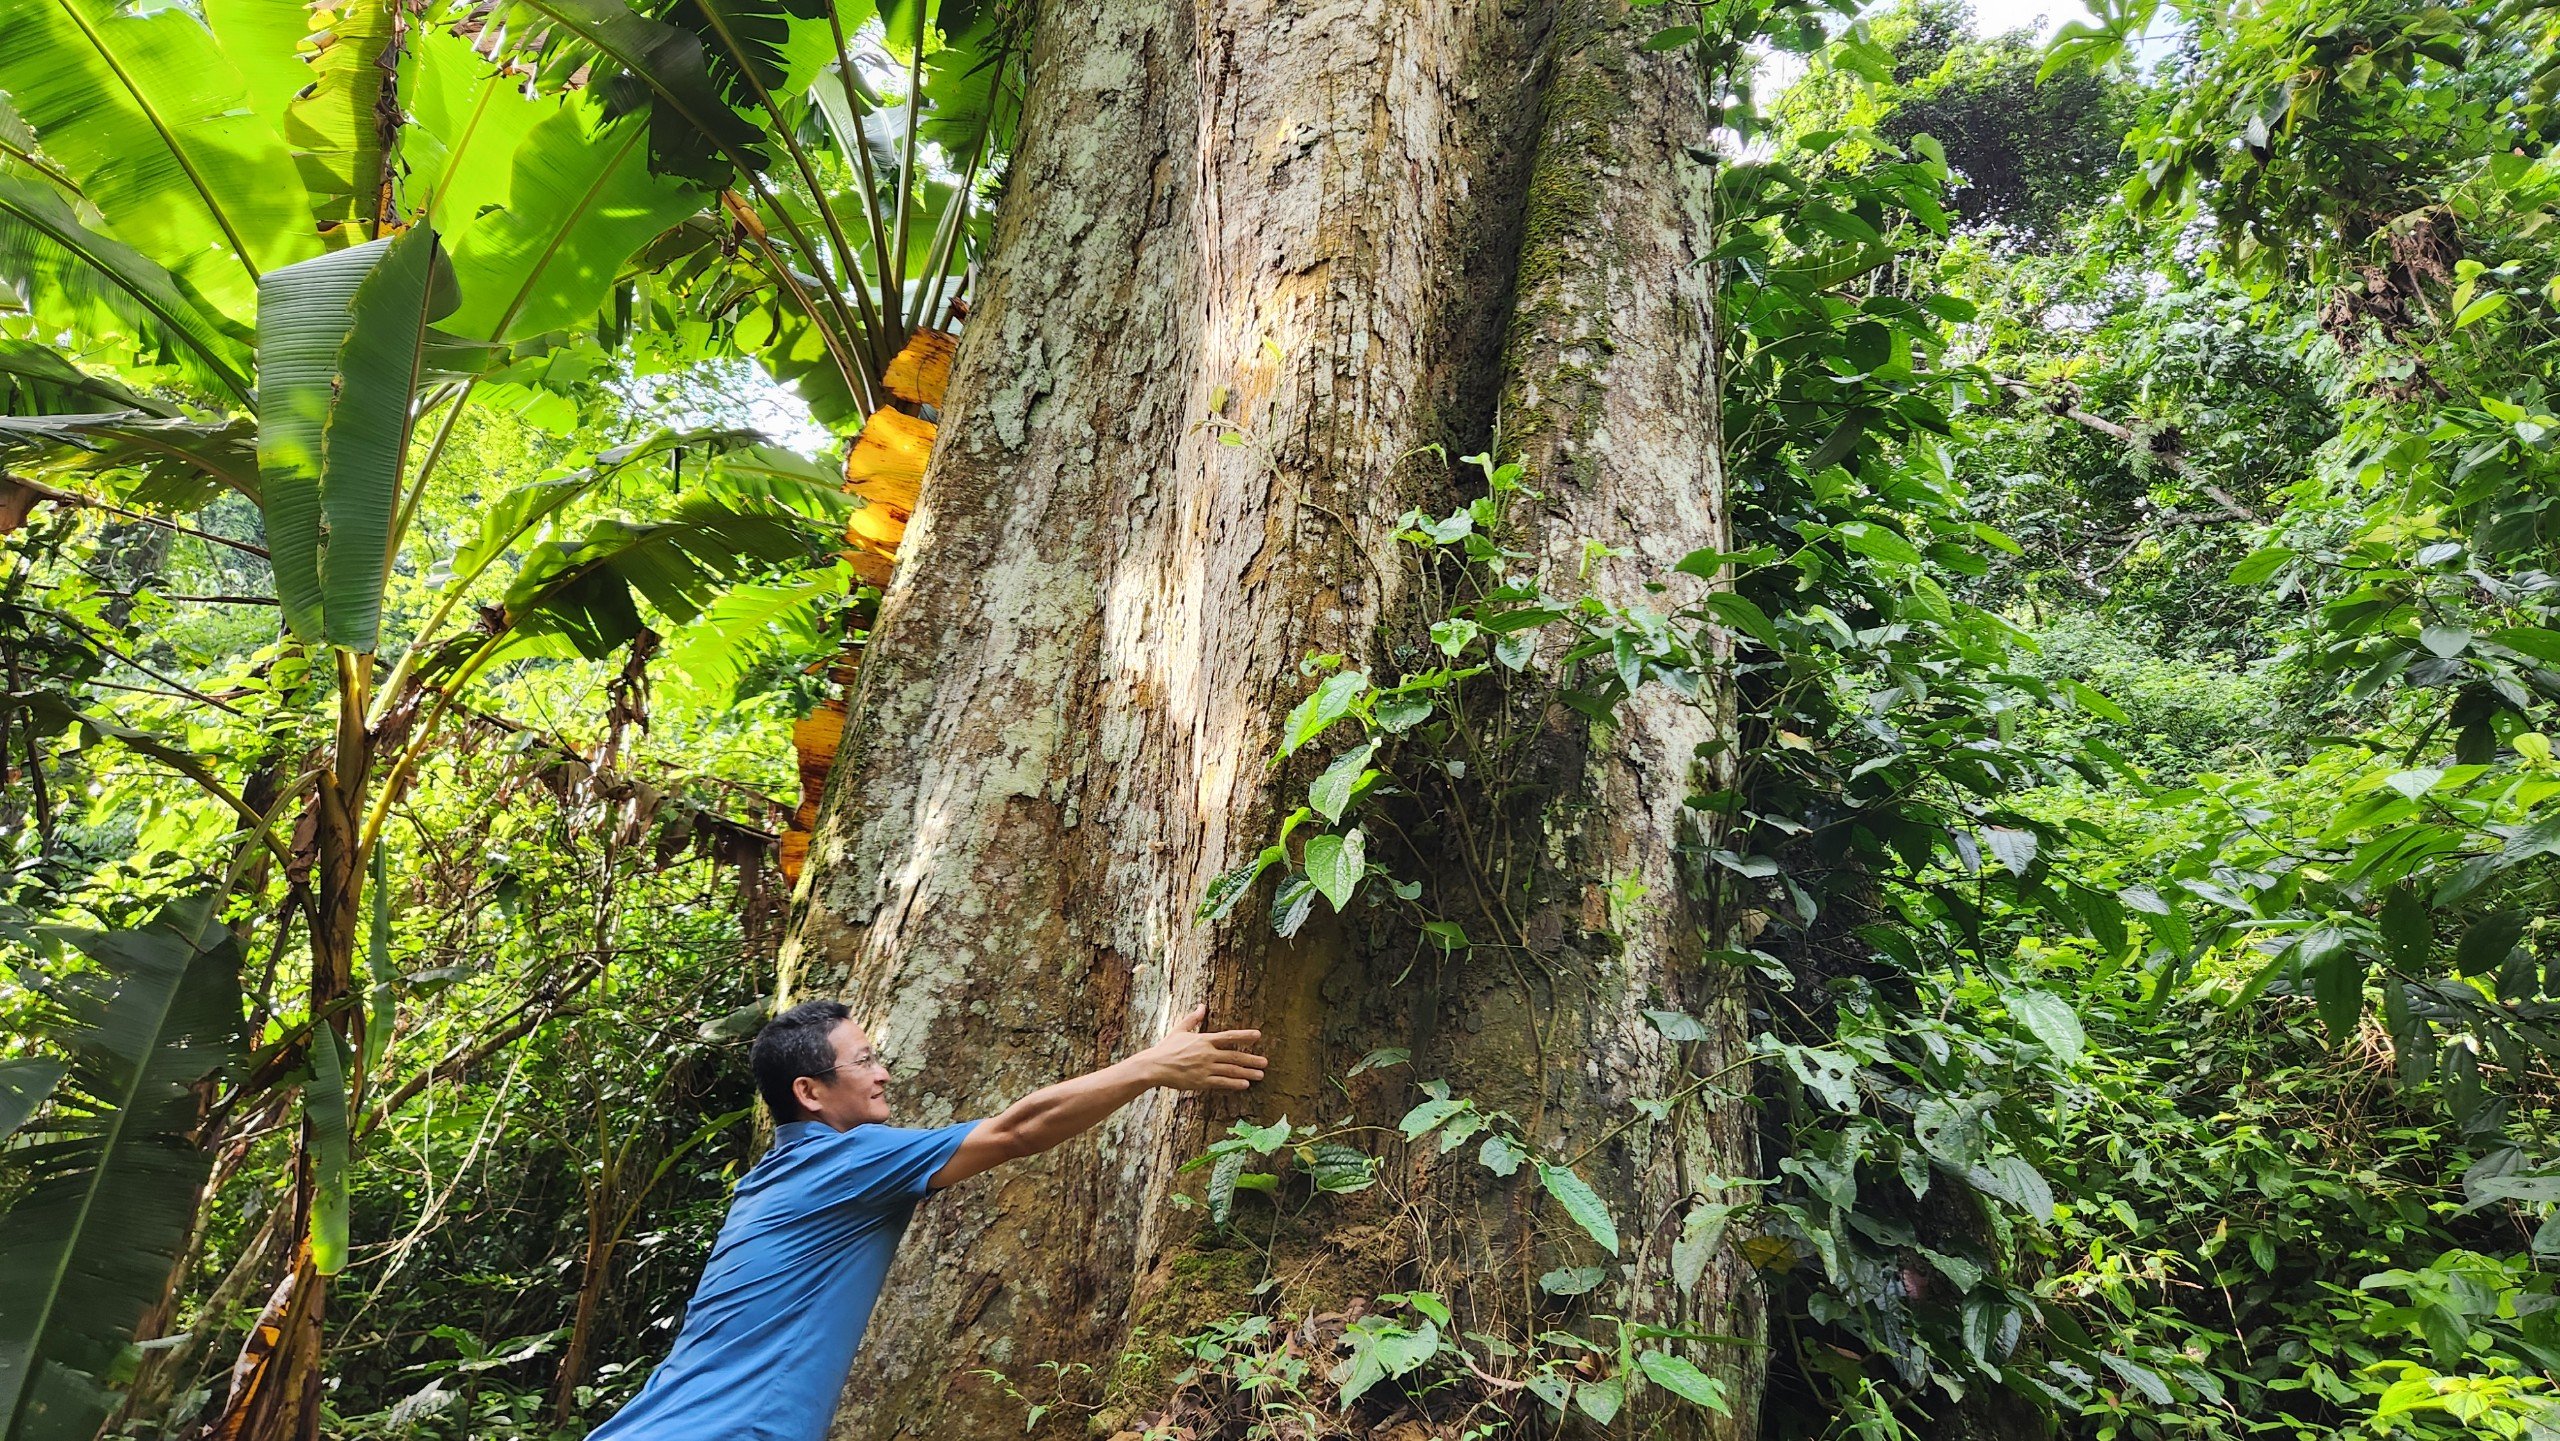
(771, 1330)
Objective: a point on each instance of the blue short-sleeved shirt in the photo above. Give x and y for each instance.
(771, 1330)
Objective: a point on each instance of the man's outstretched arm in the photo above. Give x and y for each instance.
(1185, 1060)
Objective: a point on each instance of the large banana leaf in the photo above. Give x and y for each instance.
(762, 48)
(152, 121)
(749, 624)
(343, 342)
(581, 590)
(304, 314)
(24, 1084)
(366, 447)
(581, 203)
(321, 89)
(467, 120)
(35, 380)
(959, 71)
(324, 1105)
(18, 148)
(511, 515)
(160, 462)
(78, 280)
(767, 476)
(110, 1172)
(637, 63)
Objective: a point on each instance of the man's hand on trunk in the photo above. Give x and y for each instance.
(1185, 1060)
(1188, 1059)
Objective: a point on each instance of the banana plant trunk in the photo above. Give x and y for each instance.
(1261, 267)
(275, 1390)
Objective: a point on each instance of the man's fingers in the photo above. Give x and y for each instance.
(1192, 1018)
(1233, 1084)
(1232, 1040)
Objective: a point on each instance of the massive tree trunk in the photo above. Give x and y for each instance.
(1300, 227)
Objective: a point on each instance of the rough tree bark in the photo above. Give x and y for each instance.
(1303, 221)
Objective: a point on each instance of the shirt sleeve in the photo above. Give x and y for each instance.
(881, 1166)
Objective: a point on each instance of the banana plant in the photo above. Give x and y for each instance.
(272, 294)
(850, 149)
(107, 1158)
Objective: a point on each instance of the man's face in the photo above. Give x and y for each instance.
(856, 1092)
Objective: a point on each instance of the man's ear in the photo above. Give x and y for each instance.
(804, 1089)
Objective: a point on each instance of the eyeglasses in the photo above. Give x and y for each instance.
(863, 1062)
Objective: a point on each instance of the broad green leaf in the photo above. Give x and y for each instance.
(750, 623)
(2050, 1020)
(305, 313)
(580, 204)
(2260, 565)
(80, 280)
(1572, 1280)
(324, 1110)
(1230, 887)
(1701, 1233)
(468, 120)
(321, 90)
(1330, 701)
(153, 122)
(2446, 640)
(34, 380)
(581, 589)
(1678, 1376)
(2014, 1180)
(24, 1084)
(1340, 1169)
(1291, 903)
(1263, 1139)
(518, 512)
(106, 1181)
(365, 441)
(1741, 613)
(2142, 1378)
(156, 464)
(2486, 944)
(1601, 1400)
(2481, 308)
(1499, 1155)
(1331, 792)
(2015, 848)
(1427, 1115)
(1950, 1132)
(2408, 928)
(1876, 542)
(1678, 1025)
(1222, 1186)
(2094, 703)
(2337, 983)
(693, 134)
(1581, 1203)
(1381, 1350)
(1832, 1074)
(1336, 863)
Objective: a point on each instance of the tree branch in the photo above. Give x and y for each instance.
(2168, 460)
